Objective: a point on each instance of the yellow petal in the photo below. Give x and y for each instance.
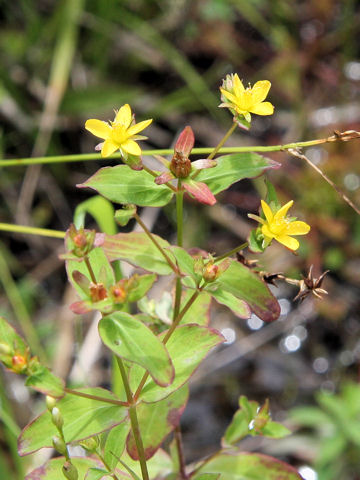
(264, 108)
(280, 214)
(237, 85)
(297, 228)
(260, 90)
(289, 242)
(98, 128)
(124, 116)
(229, 96)
(131, 147)
(267, 211)
(138, 127)
(108, 148)
(267, 233)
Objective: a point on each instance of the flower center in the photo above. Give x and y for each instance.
(278, 227)
(119, 134)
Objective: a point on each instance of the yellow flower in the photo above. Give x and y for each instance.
(121, 134)
(277, 225)
(245, 101)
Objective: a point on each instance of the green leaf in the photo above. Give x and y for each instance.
(9, 337)
(199, 312)
(240, 423)
(121, 184)
(184, 261)
(51, 470)
(246, 285)
(100, 265)
(249, 466)
(143, 285)
(115, 443)
(131, 340)
(271, 197)
(137, 249)
(239, 307)
(312, 417)
(275, 430)
(83, 417)
(156, 421)
(46, 382)
(234, 167)
(125, 214)
(102, 211)
(187, 346)
(256, 241)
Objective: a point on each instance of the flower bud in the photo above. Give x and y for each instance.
(19, 363)
(97, 292)
(70, 471)
(211, 272)
(57, 418)
(180, 165)
(50, 402)
(59, 445)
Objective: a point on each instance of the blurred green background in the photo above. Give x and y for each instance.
(62, 62)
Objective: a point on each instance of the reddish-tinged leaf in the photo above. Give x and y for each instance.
(200, 191)
(185, 142)
(137, 249)
(164, 178)
(203, 163)
(156, 421)
(246, 285)
(249, 466)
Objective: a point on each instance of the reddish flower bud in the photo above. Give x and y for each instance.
(211, 272)
(180, 165)
(119, 293)
(97, 292)
(19, 363)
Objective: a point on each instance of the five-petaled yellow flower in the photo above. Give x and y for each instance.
(277, 225)
(245, 101)
(121, 134)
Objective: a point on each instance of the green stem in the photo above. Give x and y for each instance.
(165, 151)
(157, 244)
(9, 227)
(95, 397)
(134, 421)
(180, 450)
(231, 252)
(90, 269)
(106, 465)
(221, 143)
(180, 234)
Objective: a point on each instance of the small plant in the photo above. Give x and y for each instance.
(123, 432)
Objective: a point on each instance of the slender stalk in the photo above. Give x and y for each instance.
(180, 450)
(180, 234)
(138, 441)
(97, 398)
(9, 227)
(134, 420)
(157, 244)
(169, 151)
(106, 465)
(231, 252)
(180, 213)
(90, 269)
(221, 143)
(180, 316)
